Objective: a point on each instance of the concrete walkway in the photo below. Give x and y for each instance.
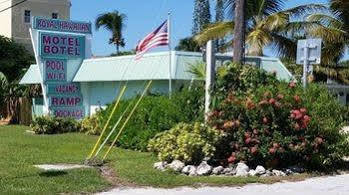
(335, 185)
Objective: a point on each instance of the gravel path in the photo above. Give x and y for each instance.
(338, 185)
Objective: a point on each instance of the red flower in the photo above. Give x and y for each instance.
(297, 98)
(248, 140)
(247, 134)
(231, 159)
(255, 131)
(319, 140)
(292, 84)
(272, 150)
(254, 150)
(272, 101)
(303, 110)
(280, 96)
(276, 145)
(265, 120)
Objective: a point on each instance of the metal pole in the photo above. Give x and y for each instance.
(210, 74)
(169, 56)
(305, 65)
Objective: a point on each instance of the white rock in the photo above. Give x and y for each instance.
(278, 173)
(189, 169)
(260, 170)
(176, 165)
(217, 170)
(160, 165)
(242, 170)
(228, 171)
(204, 169)
(252, 173)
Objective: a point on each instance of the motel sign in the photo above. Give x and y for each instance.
(60, 48)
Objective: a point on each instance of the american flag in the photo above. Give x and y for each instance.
(159, 37)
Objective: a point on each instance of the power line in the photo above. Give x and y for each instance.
(14, 5)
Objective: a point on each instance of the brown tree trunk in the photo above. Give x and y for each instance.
(239, 31)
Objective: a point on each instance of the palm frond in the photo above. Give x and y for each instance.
(215, 31)
(198, 69)
(257, 40)
(305, 10)
(326, 20)
(285, 47)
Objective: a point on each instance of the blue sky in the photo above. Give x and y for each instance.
(142, 17)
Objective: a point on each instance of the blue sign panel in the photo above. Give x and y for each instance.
(68, 112)
(61, 46)
(63, 88)
(65, 101)
(55, 70)
(61, 25)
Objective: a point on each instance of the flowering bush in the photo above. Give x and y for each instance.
(54, 125)
(190, 143)
(276, 124)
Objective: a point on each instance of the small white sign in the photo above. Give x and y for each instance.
(314, 51)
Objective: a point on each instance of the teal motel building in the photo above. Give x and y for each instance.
(101, 79)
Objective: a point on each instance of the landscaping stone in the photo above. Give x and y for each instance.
(229, 171)
(189, 169)
(252, 173)
(176, 165)
(297, 169)
(217, 170)
(60, 167)
(242, 170)
(278, 173)
(160, 165)
(288, 172)
(267, 174)
(204, 169)
(260, 170)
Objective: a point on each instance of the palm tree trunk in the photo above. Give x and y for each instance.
(239, 31)
(117, 49)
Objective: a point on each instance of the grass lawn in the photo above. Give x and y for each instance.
(20, 151)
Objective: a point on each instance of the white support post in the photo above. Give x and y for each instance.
(305, 65)
(210, 74)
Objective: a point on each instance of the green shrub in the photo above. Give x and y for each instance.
(90, 125)
(155, 113)
(53, 125)
(190, 143)
(275, 123)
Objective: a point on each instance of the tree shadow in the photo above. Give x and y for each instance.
(52, 173)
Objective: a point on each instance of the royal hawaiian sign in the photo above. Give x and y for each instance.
(61, 49)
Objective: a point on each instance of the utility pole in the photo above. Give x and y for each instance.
(239, 31)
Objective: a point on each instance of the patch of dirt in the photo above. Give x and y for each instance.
(110, 175)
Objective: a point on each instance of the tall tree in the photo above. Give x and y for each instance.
(201, 15)
(188, 44)
(239, 31)
(267, 25)
(219, 18)
(115, 23)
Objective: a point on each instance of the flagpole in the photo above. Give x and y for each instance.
(170, 55)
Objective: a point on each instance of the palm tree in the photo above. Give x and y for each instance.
(239, 31)
(266, 25)
(188, 44)
(333, 28)
(115, 23)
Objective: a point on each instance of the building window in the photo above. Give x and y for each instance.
(55, 15)
(27, 14)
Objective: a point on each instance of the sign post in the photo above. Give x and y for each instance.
(308, 53)
(60, 47)
(210, 74)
